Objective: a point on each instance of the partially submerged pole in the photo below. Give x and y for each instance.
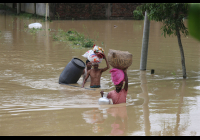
(18, 8)
(145, 42)
(46, 11)
(34, 8)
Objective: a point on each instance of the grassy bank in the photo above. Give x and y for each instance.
(74, 38)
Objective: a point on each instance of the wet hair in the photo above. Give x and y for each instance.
(87, 61)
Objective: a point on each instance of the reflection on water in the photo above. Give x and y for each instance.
(145, 105)
(119, 125)
(97, 117)
(165, 130)
(33, 103)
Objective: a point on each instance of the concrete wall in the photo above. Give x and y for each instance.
(29, 8)
(9, 4)
(41, 9)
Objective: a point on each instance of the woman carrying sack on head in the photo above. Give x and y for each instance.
(118, 95)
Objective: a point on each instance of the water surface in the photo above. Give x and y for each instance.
(33, 103)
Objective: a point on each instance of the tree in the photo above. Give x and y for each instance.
(171, 14)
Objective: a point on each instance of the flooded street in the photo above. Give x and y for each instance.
(33, 103)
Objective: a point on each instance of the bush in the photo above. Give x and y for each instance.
(88, 44)
(72, 38)
(70, 32)
(138, 15)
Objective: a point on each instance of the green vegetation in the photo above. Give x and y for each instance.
(174, 73)
(34, 30)
(4, 7)
(194, 20)
(170, 14)
(26, 15)
(57, 16)
(74, 38)
(138, 15)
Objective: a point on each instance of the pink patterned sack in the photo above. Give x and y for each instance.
(117, 75)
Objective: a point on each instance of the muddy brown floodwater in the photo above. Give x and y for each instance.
(33, 103)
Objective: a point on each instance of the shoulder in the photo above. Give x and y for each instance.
(100, 69)
(97, 71)
(87, 72)
(111, 93)
(124, 91)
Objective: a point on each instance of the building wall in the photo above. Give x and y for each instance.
(93, 10)
(29, 8)
(123, 9)
(82, 10)
(41, 9)
(9, 4)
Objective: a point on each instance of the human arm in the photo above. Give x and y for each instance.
(108, 66)
(88, 74)
(126, 80)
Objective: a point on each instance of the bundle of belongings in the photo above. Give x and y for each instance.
(95, 55)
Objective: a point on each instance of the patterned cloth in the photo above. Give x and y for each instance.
(97, 49)
(118, 98)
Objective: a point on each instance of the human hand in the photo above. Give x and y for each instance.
(101, 93)
(103, 55)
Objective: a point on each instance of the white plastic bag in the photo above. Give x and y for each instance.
(88, 53)
(92, 57)
(35, 25)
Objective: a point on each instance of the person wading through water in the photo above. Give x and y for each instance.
(95, 74)
(119, 95)
(88, 67)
